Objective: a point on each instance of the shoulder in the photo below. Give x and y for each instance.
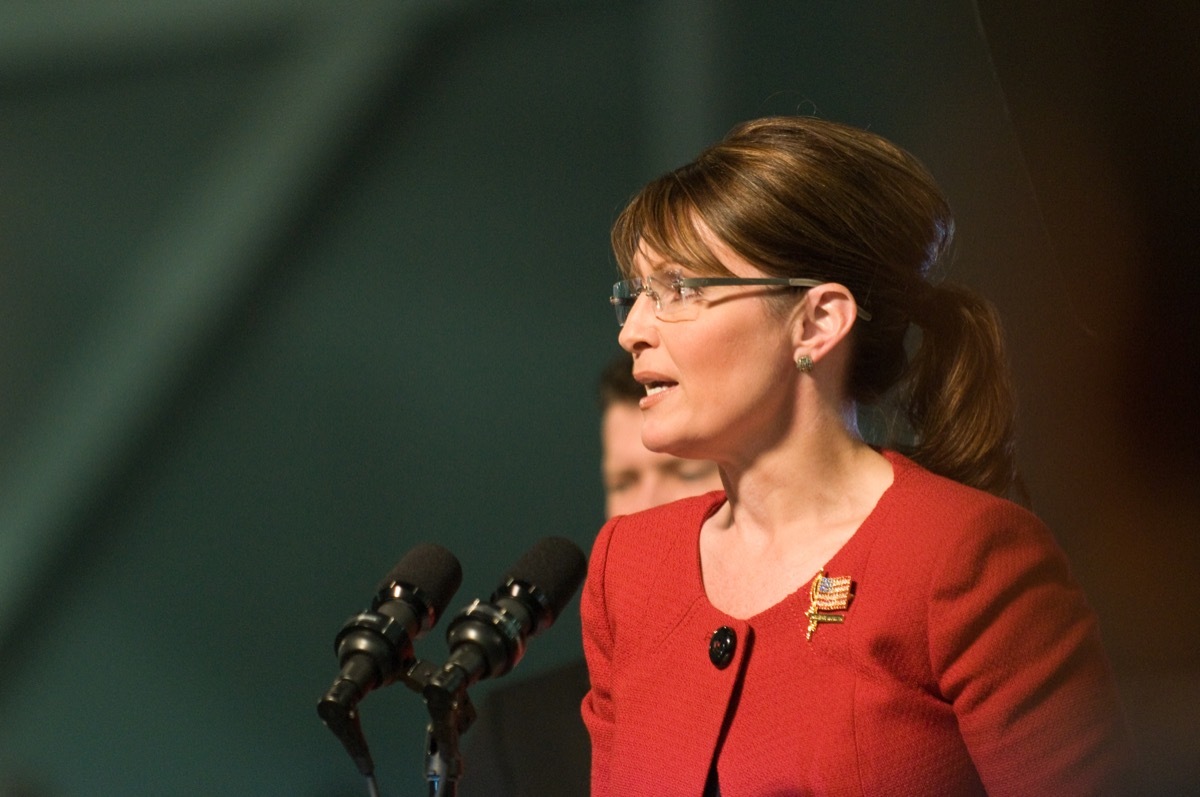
(931, 535)
(683, 511)
(650, 552)
(976, 557)
(651, 535)
(1009, 637)
(943, 512)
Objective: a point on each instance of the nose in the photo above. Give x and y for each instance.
(639, 329)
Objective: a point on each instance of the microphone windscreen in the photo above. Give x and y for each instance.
(432, 571)
(556, 566)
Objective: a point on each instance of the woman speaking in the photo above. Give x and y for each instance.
(843, 618)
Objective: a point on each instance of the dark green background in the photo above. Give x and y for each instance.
(285, 290)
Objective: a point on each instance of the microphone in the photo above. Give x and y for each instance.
(375, 647)
(487, 640)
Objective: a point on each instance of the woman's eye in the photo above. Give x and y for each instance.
(679, 293)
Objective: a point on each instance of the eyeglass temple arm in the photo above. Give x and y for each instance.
(791, 282)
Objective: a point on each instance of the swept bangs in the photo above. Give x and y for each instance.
(661, 219)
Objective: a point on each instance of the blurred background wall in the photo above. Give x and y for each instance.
(287, 288)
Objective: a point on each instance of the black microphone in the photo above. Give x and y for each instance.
(487, 640)
(375, 647)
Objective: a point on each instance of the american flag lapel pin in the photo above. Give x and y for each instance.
(827, 594)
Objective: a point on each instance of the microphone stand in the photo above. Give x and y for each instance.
(450, 714)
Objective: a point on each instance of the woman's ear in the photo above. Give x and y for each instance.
(823, 319)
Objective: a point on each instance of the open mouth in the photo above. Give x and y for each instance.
(658, 387)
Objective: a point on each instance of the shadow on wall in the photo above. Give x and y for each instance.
(1109, 138)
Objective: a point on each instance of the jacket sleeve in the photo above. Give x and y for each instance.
(598, 640)
(1016, 650)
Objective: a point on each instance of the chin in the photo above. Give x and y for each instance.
(662, 441)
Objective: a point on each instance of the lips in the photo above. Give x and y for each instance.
(657, 386)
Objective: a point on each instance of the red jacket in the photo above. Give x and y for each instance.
(967, 661)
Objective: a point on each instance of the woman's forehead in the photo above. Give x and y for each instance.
(705, 254)
(647, 260)
(654, 253)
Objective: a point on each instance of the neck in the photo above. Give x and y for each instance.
(821, 474)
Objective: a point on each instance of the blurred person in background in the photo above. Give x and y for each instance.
(529, 739)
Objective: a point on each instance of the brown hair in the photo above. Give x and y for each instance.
(804, 197)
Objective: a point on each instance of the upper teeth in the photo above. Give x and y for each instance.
(656, 388)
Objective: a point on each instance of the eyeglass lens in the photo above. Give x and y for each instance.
(662, 289)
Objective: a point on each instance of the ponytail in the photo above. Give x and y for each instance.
(960, 397)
